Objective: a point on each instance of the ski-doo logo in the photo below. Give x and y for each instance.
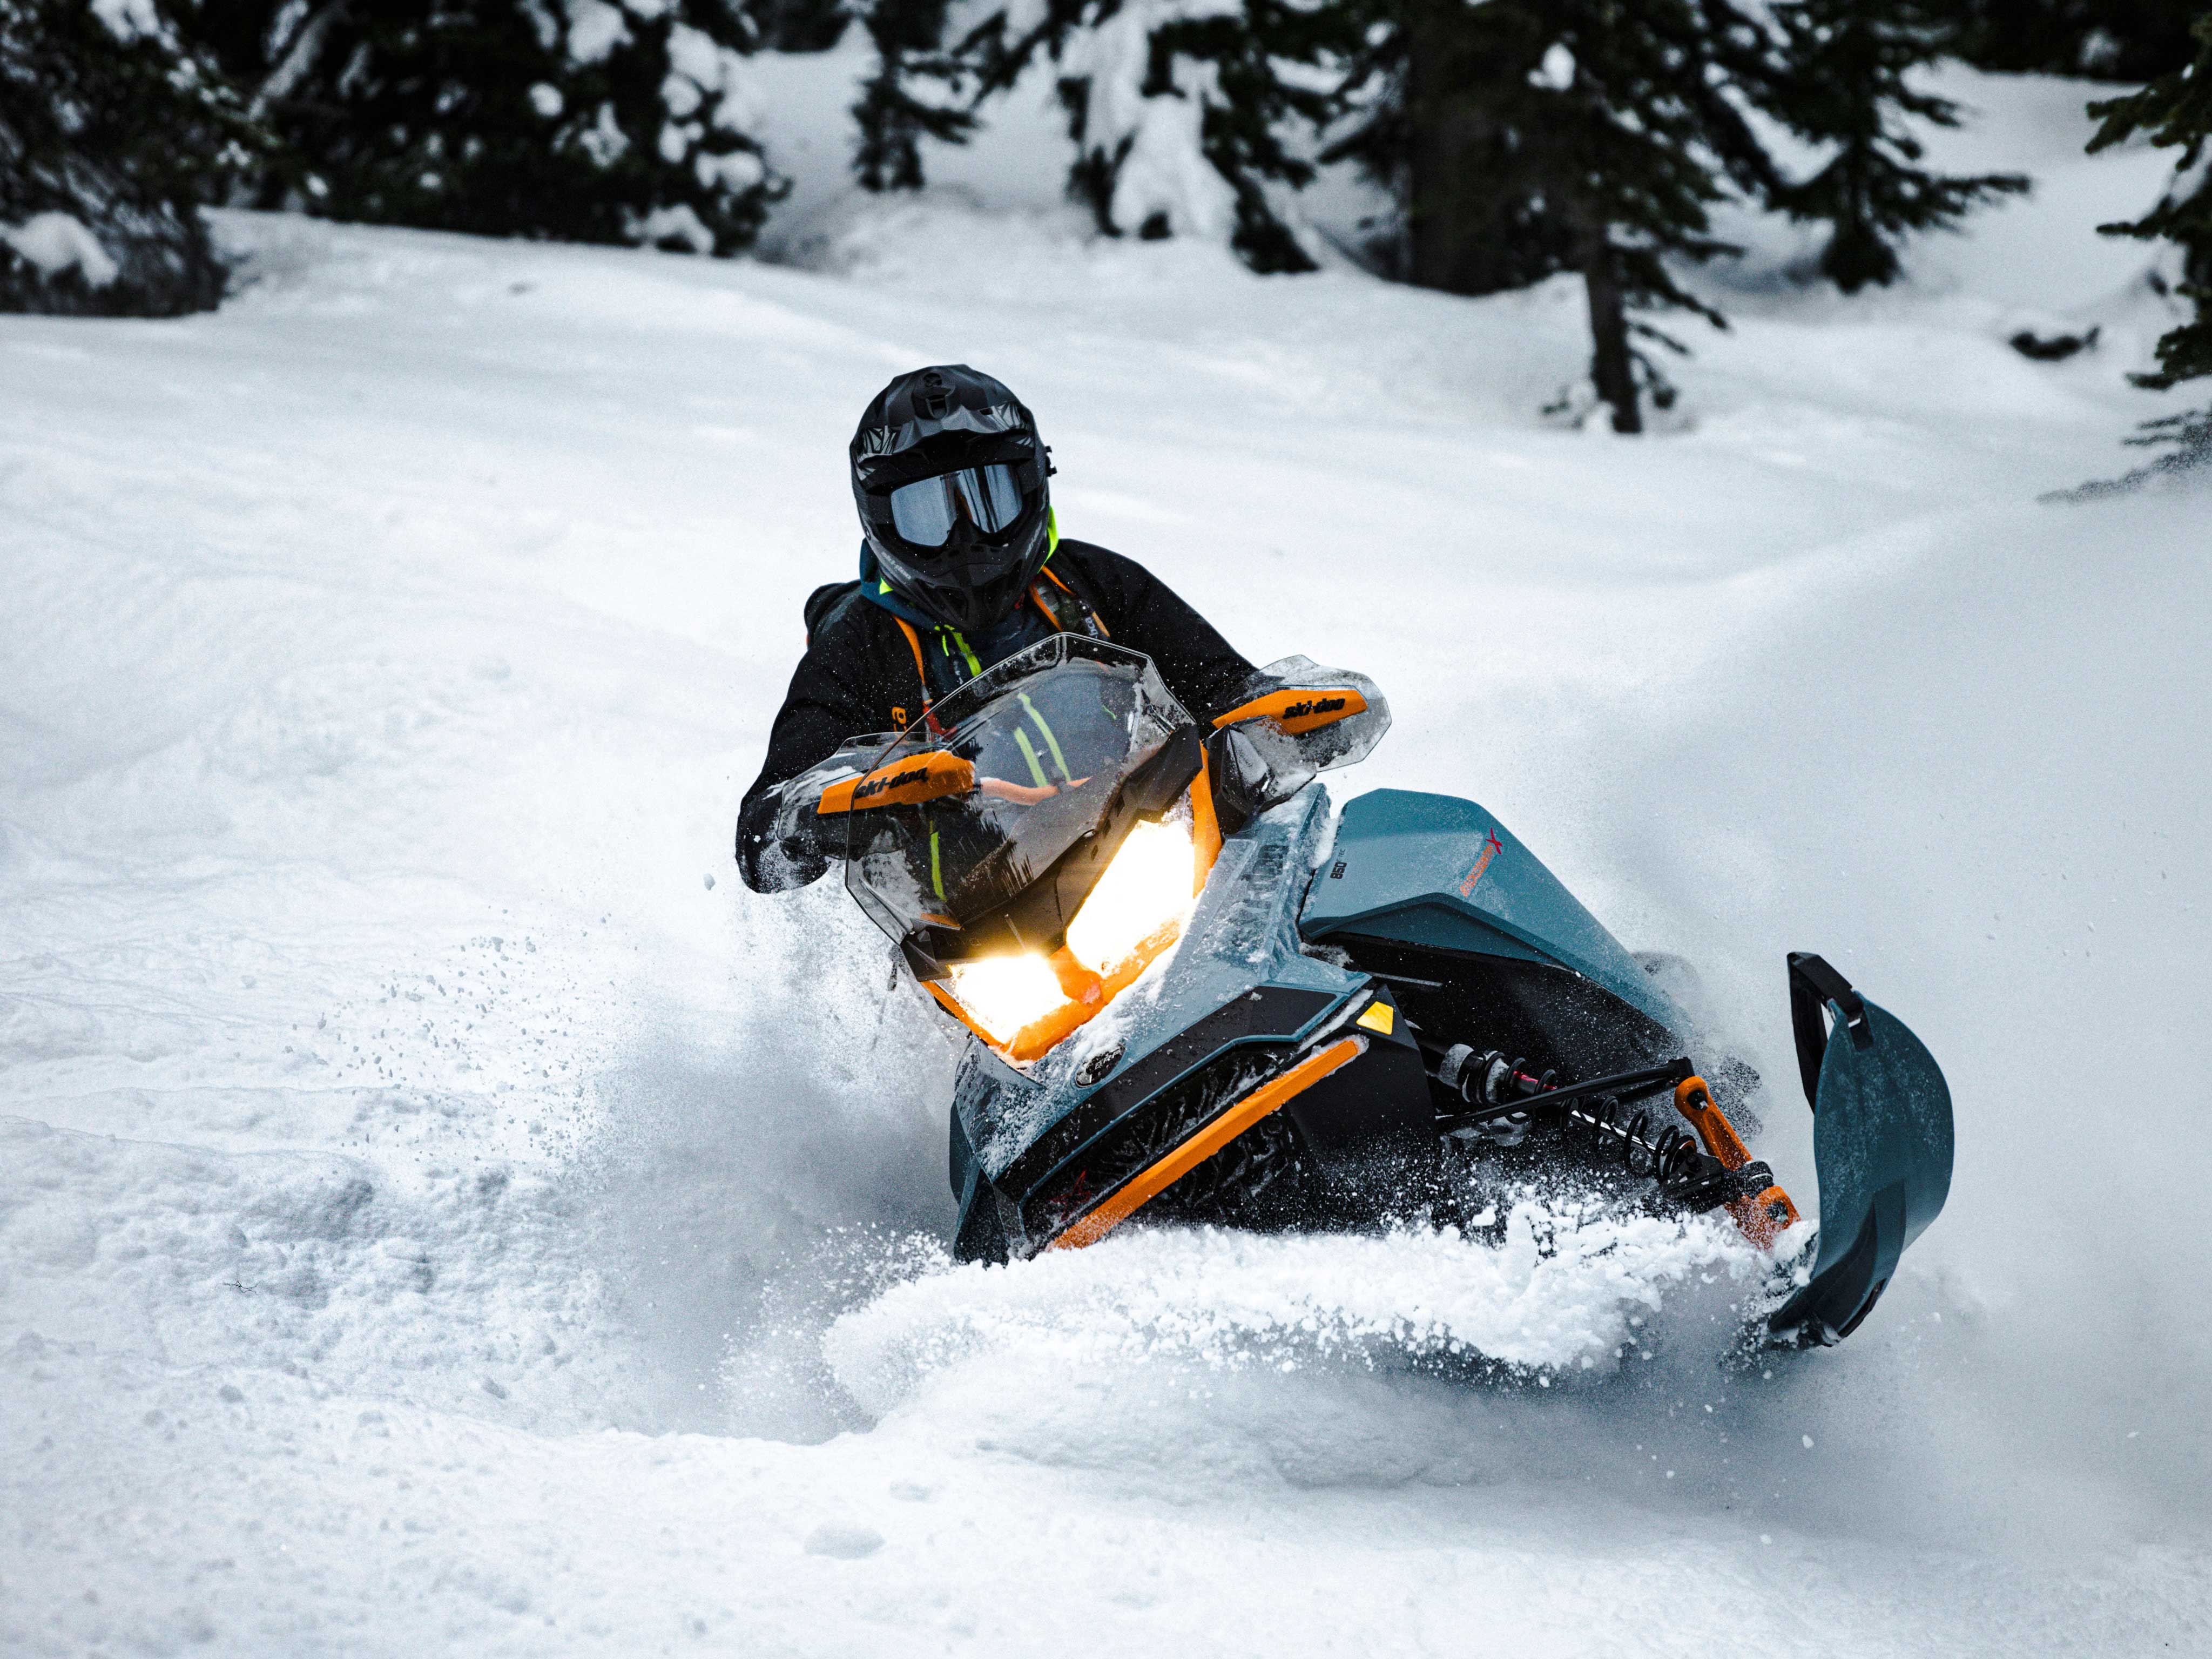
(1491, 847)
(902, 783)
(1312, 706)
(869, 788)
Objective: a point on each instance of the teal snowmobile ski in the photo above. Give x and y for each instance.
(1188, 994)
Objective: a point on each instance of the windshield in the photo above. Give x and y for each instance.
(1060, 750)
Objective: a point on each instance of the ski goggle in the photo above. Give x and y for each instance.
(925, 511)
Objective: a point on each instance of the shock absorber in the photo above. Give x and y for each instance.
(1491, 1086)
(1505, 1099)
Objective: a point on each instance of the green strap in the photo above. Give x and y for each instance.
(1030, 754)
(1050, 741)
(936, 864)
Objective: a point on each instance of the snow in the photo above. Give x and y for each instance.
(433, 1216)
(56, 242)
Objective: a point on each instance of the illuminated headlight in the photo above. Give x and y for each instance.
(1004, 994)
(1147, 888)
(1136, 910)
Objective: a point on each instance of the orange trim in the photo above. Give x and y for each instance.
(951, 1003)
(907, 781)
(1037, 599)
(1141, 1189)
(1204, 827)
(1087, 994)
(1300, 711)
(1762, 1216)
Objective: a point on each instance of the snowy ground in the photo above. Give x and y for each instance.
(441, 1211)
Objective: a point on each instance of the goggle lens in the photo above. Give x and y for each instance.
(925, 511)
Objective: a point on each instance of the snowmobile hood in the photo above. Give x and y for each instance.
(1439, 871)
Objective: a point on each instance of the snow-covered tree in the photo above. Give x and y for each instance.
(914, 93)
(1530, 136)
(1848, 85)
(1183, 113)
(586, 120)
(112, 132)
(2175, 111)
(2103, 39)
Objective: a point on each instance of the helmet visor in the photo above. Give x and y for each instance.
(988, 497)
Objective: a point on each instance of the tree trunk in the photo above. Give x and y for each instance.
(1613, 366)
(1444, 230)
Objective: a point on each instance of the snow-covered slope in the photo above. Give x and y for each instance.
(441, 1211)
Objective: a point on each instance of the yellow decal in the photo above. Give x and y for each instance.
(1378, 1018)
(905, 782)
(1298, 711)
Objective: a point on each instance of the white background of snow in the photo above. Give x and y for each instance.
(431, 1217)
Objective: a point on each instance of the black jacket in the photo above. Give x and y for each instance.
(859, 675)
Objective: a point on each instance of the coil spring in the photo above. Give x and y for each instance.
(1666, 1153)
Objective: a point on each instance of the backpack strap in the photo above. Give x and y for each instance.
(1067, 611)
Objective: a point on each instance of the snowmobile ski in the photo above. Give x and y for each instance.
(1881, 1146)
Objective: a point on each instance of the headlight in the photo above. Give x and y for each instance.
(1147, 889)
(1004, 994)
(1136, 911)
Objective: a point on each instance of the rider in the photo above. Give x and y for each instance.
(961, 565)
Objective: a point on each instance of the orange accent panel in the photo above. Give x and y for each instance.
(907, 782)
(1141, 1189)
(1204, 826)
(1762, 1216)
(1298, 711)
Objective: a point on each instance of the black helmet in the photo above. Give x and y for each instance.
(949, 474)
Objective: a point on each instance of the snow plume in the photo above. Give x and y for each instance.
(1560, 1295)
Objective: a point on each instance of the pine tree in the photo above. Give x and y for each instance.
(2103, 39)
(2175, 111)
(1532, 136)
(1846, 85)
(112, 133)
(914, 93)
(1180, 111)
(584, 120)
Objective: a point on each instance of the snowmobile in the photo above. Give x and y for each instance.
(1186, 991)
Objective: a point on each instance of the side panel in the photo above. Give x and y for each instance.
(1438, 873)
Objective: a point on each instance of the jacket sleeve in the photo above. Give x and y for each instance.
(1200, 667)
(825, 705)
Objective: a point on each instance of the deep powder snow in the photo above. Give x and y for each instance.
(440, 1210)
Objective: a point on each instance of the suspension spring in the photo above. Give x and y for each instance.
(1664, 1152)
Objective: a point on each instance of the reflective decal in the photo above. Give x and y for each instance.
(1491, 847)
